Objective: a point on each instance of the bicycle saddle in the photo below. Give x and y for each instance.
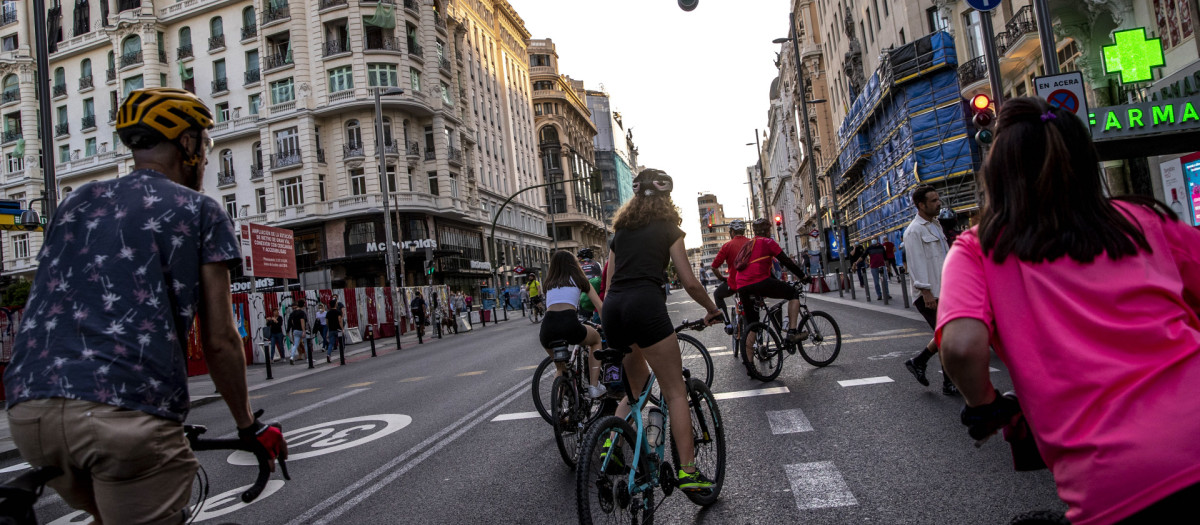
(559, 349)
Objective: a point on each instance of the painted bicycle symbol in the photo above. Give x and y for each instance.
(332, 436)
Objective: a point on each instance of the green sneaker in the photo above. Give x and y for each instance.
(694, 482)
(616, 466)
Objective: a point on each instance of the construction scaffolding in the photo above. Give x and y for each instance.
(908, 126)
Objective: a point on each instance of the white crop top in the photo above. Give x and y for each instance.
(563, 295)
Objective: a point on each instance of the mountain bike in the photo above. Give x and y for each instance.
(570, 405)
(536, 311)
(766, 354)
(18, 495)
(622, 460)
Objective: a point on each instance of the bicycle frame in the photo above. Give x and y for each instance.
(635, 419)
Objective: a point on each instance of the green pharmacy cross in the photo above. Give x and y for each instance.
(1133, 55)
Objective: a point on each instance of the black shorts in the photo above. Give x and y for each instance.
(769, 288)
(562, 325)
(930, 314)
(636, 316)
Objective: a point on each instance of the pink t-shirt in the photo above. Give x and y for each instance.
(1105, 358)
(761, 255)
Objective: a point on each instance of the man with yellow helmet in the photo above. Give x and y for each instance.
(126, 265)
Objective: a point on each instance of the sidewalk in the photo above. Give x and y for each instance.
(894, 306)
(203, 392)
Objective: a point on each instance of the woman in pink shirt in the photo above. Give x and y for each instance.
(1092, 303)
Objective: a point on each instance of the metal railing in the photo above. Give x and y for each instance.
(131, 58)
(416, 50)
(162, 56)
(444, 63)
(112, 115)
(110, 75)
(321, 156)
(411, 5)
(256, 172)
(184, 51)
(85, 82)
(335, 47)
(326, 4)
(276, 14)
(216, 42)
(220, 85)
(414, 149)
(391, 148)
(353, 150)
(430, 154)
(439, 22)
(10, 95)
(972, 71)
(286, 159)
(381, 43)
(249, 32)
(455, 154)
(8, 15)
(226, 178)
(253, 75)
(88, 122)
(276, 61)
(62, 129)
(1021, 24)
(11, 136)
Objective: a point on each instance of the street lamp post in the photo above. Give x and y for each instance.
(812, 160)
(390, 253)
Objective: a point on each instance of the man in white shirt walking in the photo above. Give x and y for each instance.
(925, 251)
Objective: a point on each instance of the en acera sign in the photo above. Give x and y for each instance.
(1145, 118)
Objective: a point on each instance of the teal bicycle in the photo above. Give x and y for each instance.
(623, 460)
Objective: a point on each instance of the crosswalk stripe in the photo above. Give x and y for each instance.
(788, 421)
(866, 381)
(818, 485)
(752, 393)
(516, 415)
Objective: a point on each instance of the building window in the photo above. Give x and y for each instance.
(222, 112)
(454, 186)
(14, 163)
(414, 79)
(974, 32)
(231, 206)
(433, 183)
(389, 173)
(20, 244)
(358, 181)
(410, 180)
(354, 135)
(131, 84)
(260, 195)
(936, 22)
(227, 162)
(287, 142)
(382, 75)
(291, 192)
(360, 233)
(64, 153)
(282, 91)
(255, 103)
(89, 147)
(341, 79)
(446, 95)
(321, 187)
(8, 42)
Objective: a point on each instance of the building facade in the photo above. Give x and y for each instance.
(297, 143)
(714, 227)
(615, 153)
(565, 134)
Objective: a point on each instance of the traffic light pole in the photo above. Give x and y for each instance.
(993, 63)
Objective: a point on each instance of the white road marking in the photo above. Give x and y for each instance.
(819, 485)
(730, 352)
(307, 408)
(752, 393)
(890, 332)
(866, 381)
(715, 348)
(990, 370)
(788, 421)
(363, 488)
(516, 415)
(14, 468)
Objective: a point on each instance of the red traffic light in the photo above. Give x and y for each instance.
(981, 102)
(778, 219)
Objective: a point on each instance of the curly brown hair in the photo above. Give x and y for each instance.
(645, 209)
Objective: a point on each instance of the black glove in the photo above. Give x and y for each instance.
(984, 420)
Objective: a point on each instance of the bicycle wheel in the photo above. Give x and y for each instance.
(708, 435)
(602, 476)
(766, 355)
(543, 382)
(564, 404)
(695, 359)
(825, 338)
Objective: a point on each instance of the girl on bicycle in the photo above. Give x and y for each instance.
(564, 283)
(646, 237)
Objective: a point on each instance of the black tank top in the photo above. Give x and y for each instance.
(641, 255)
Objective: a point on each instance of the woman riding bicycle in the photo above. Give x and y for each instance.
(647, 236)
(564, 283)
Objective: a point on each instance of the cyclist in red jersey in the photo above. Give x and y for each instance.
(756, 280)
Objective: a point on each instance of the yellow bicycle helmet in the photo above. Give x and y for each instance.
(148, 116)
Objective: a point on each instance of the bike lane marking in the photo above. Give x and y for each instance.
(475, 373)
(364, 383)
(304, 391)
(752, 393)
(788, 421)
(866, 381)
(818, 485)
(516, 415)
(412, 379)
(308, 408)
(332, 436)
(530, 367)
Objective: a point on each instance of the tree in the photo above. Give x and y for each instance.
(17, 293)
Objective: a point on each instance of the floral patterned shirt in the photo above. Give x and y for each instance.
(114, 296)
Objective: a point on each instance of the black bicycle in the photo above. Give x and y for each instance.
(18, 495)
(767, 352)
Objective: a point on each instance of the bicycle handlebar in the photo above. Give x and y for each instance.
(193, 433)
(696, 325)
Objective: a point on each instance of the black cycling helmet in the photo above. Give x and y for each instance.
(585, 253)
(737, 225)
(652, 182)
(762, 227)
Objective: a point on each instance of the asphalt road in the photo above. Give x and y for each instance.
(413, 437)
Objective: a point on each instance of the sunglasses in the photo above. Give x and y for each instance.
(662, 183)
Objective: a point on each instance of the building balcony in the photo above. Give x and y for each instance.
(112, 115)
(62, 130)
(8, 15)
(216, 42)
(184, 51)
(59, 90)
(253, 76)
(391, 149)
(249, 32)
(382, 43)
(345, 94)
(430, 154)
(85, 83)
(277, 14)
(334, 47)
(321, 156)
(271, 62)
(11, 95)
(162, 56)
(110, 75)
(283, 107)
(413, 150)
(353, 151)
(444, 64)
(11, 136)
(972, 72)
(1020, 34)
(455, 155)
(220, 85)
(440, 23)
(285, 160)
(416, 51)
(330, 4)
(226, 179)
(88, 122)
(133, 58)
(128, 5)
(256, 172)
(411, 6)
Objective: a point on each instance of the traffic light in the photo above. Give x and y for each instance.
(981, 108)
(595, 182)
(428, 267)
(778, 221)
(688, 5)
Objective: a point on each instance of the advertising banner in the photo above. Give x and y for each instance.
(272, 252)
(1191, 170)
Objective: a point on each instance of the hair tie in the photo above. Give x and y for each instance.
(1048, 115)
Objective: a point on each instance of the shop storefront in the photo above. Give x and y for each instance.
(461, 262)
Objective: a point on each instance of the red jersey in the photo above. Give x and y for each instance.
(889, 250)
(761, 258)
(727, 254)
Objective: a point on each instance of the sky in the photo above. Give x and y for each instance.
(693, 86)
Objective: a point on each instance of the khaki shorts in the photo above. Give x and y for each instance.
(121, 466)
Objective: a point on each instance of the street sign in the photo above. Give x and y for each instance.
(814, 234)
(1065, 91)
(519, 270)
(272, 252)
(983, 5)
